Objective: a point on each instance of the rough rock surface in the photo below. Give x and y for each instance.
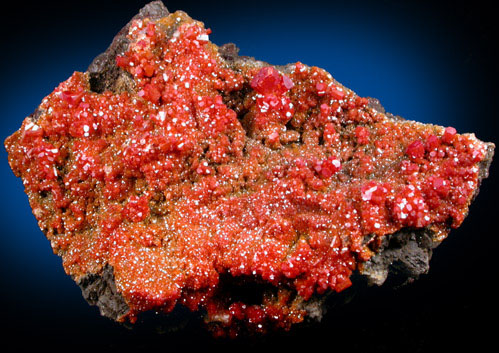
(311, 131)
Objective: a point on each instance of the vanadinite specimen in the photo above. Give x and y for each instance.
(175, 172)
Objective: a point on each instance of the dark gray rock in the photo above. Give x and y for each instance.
(402, 258)
(100, 289)
(104, 74)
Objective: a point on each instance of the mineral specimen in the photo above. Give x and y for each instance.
(175, 172)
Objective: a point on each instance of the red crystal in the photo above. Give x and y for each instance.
(448, 135)
(137, 208)
(409, 208)
(374, 192)
(432, 143)
(328, 167)
(415, 150)
(181, 179)
(321, 88)
(336, 93)
(269, 81)
(362, 135)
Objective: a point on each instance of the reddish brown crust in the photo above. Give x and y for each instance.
(405, 253)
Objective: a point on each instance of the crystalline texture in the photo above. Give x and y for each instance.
(174, 170)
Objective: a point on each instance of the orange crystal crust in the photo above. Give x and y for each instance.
(178, 182)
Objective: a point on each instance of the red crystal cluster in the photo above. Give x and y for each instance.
(178, 182)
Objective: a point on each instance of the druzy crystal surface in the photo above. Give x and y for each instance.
(198, 169)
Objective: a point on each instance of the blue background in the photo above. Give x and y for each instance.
(433, 62)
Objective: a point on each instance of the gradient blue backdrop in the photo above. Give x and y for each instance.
(426, 61)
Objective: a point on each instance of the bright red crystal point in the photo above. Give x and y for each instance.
(269, 81)
(449, 134)
(415, 150)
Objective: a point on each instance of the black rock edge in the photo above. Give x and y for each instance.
(404, 256)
